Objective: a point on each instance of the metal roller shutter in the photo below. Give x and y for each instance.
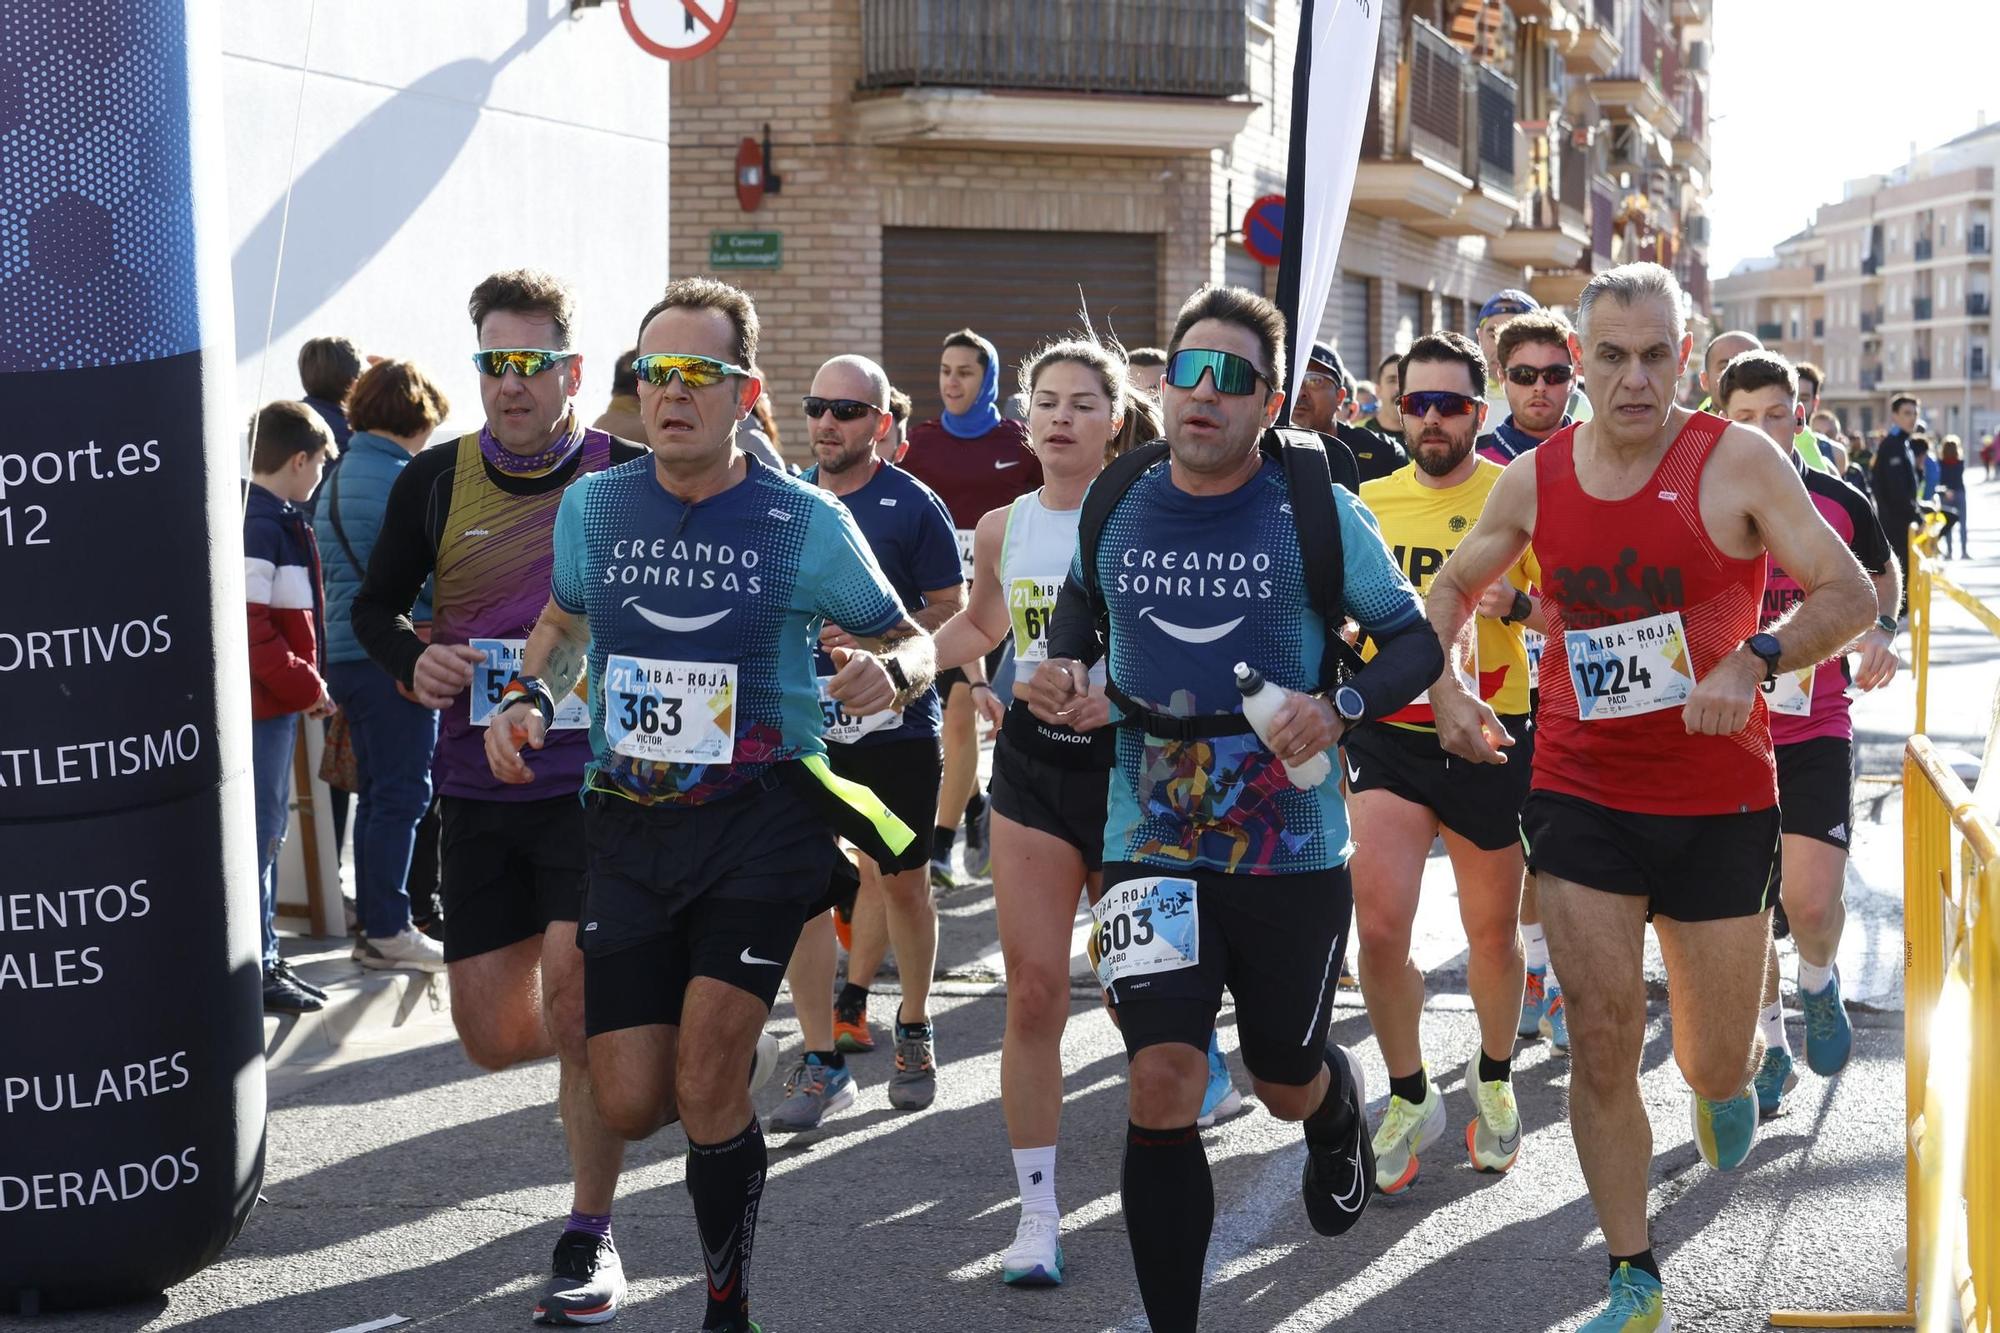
(1015, 288)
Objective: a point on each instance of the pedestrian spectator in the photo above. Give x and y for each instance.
(1927, 465)
(290, 446)
(759, 436)
(1143, 368)
(328, 368)
(891, 447)
(1986, 455)
(1388, 422)
(1897, 476)
(394, 408)
(1951, 495)
(621, 415)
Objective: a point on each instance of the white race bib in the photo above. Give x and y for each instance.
(1534, 643)
(670, 712)
(841, 729)
(1146, 926)
(1031, 604)
(1627, 670)
(503, 663)
(965, 536)
(1791, 693)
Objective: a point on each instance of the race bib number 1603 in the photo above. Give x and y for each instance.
(670, 712)
(1625, 670)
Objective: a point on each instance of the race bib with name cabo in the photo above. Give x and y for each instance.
(844, 729)
(670, 712)
(1790, 693)
(503, 663)
(1630, 669)
(1146, 926)
(1031, 604)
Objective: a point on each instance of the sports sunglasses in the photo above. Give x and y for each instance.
(696, 372)
(1232, 374)
(1526, 375)
(843, 409)
(1447, 404)
(523, 361)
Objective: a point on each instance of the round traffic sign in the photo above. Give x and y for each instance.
(677, 29)
(1264, 230)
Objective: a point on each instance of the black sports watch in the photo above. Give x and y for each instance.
(1766, 647)
(1347, 702)
(1523, 607)
(1887, 624)
(895, 670)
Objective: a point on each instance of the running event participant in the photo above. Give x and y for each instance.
(1813, 732)
(1654, 789)
(1726, 347)
(976, 461)
(1323, 392)
(1388, 388)
(894, 754)
(1218, 871)
(477, 515)
(1405, 790)
(1539, 379)
(1500, 308)
(692, 581)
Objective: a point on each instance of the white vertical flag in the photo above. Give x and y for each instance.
(1332, 79)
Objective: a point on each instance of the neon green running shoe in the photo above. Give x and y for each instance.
(1493, 1136)
(1724, 1131)
(1407, 1128)
(1637, 1305)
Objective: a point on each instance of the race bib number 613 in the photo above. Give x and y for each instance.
(670, 712)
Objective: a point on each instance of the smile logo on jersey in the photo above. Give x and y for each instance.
(1189, 633)
(677, 624)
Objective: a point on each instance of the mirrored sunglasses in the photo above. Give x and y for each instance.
(696, 372)
(1231, 373)
(1443, 402)
(523, 361)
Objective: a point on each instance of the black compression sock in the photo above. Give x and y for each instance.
(1412, 1088)
(1643, 1261)
(830, 1059)
(852, 995)
(1495, 1071)
(942, 841)
(725, 1181)
(1169, 1211)
(1333, 1120)
(974, 804)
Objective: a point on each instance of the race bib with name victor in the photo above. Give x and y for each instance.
(1145, 926)
(670, 712)
(502, 664)
(1631, 669)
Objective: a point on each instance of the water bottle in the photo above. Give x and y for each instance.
(1261, 703)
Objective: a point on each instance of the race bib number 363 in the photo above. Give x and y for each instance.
(1791, 693)
(1626, 670)
(1031, 603)
(1146, 926)
(502, 664)
(670, 712)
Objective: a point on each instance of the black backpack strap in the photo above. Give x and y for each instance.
(333, 512)
(1310, 461)
(1098, 502)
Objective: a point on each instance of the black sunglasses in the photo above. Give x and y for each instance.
(843, 409)
(1526, 375)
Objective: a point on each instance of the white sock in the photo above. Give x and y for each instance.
(1812, 977)
(1535, 945)
(1035, 1173)
(1772, 1023)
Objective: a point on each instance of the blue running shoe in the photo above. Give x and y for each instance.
(1775, 1078)
(813, 1092)
(1221, 1100)
(1534, 1002)
(1829, 1034)
(1637, 1305)
(1724, 1131)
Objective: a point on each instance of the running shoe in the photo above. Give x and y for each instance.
(941, 874)
(747, 1326)
(1555, 1023)
(1542, 1010)
(1221, 1100)
(409, 948)
(843, 926)
(588, 1283)
(914, 1084)
(283, 968)
(1775, 1078)
(1339, 1177)
(850, 1027)
(1035, 1259)
(1724, 1131)
(979, 838)
(812, 1092)
(282, 995)
(1493, 1137)
(1829, 1034)
(764, 1062)
(1407, 1129)
(1637, 1305)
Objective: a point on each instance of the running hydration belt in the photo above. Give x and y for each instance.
(1309, 476)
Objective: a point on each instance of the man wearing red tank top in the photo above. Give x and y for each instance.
(1654, 793)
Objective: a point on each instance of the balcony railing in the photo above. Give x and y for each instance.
(1920, 308)
(1869, 265)
(1977, 243)
(1871, 378)
(1869, 319)
(1922, 248)
(1978, 303)
(1452, 111)
(1770, 332)
(1494, 98)
(1188, 48)
(1975, 364)
(1819, 327)
(1920, 368)
(1436, 96)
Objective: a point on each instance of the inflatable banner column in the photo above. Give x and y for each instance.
(131, 1063)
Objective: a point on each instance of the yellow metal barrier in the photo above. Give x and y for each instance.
(1926, 580)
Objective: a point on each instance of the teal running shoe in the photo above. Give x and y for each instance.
(1829, 1034)
(1221, 1100)
(1724, 1131)
(1542, 1011)
(1637, 1305)
(1775, 1078)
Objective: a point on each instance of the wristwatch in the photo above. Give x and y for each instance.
(1766, 647)
(1887, 624)
(1523, 607)
(895, 670)
(1347, 702)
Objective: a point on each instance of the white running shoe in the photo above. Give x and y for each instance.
(764, 1063)
(408, 948)
(1035, 1259)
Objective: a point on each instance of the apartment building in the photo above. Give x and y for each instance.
(1001, 163)
(1891, 290)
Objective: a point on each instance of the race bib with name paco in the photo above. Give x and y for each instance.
(1629, 670)
(670, 712)
(502, 664)
(1145, 926)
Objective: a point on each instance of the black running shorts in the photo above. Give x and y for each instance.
(1275, 941)
(1687, 867)
(507, 869)
(718, 890)
(1065, 803)
(1479, 802)
(1816, 789)
(904, 776)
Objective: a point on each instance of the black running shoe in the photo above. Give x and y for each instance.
(282, 995)
(588, 1285)
(284, 969)
(1339, 1178)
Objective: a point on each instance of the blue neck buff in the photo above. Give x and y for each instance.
(984, 414)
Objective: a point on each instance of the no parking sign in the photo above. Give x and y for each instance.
(677, 29)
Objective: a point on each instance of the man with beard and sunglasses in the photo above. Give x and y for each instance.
(477, 515)
(1406, 790)
(689, 582)
(894, 754)
(1218, 870)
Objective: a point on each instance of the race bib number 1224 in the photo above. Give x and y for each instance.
(1626, 670)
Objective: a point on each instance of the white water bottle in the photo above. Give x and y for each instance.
(1261, 703)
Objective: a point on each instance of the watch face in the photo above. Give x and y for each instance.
(1348, 703)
